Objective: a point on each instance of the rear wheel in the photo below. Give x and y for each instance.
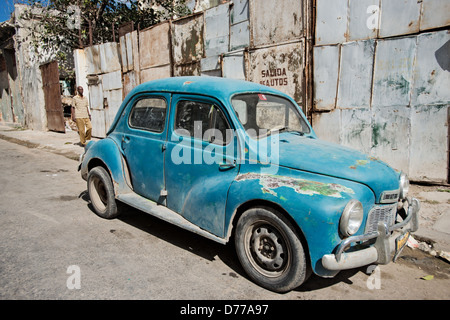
(269, 250)
(101, 193)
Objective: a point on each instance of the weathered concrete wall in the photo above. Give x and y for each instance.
(382, 79)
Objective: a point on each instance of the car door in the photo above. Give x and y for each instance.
(143, 144)
(200, 161)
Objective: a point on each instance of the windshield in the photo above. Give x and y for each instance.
(264, 114)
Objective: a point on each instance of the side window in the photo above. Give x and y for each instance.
(203, 121)
(149, 114)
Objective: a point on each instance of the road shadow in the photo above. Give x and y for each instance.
(208, 249)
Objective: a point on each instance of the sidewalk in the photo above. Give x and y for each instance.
(434, 222)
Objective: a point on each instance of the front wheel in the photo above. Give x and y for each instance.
(269, 250)
(101, 193)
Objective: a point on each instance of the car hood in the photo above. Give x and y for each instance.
(326, 158)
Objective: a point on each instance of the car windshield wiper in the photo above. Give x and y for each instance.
(286, 129)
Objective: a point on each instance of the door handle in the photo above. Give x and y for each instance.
(125, 140)
(227, 165)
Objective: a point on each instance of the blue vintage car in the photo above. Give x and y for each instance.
(230, 159)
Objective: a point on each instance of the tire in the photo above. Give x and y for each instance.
(270, 251)
(101, 193)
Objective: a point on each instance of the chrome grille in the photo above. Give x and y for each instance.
(385, 214)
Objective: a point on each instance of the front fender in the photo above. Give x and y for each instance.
(314, 202)
(107, 152)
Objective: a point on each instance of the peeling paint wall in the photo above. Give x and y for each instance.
(382, 79)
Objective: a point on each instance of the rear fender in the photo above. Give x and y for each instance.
(106, 152)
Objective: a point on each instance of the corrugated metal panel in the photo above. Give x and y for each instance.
(356, 129)
(432, 70)
(93, 59)
(98, 123)
(429, 130)
(187, 42)
(112, 80)
(390, 136)
(113, 100)
(355, 75)
(129, 82)
(275, 21)
(154, 46)
(393, 74)
(233, 65)
(280, 67)
(358, 19)
(326, 69)
(96, 96)
(217, 30)
(123, 54)
(109, 57)
(239, 11)
(435, 14)
(331, 21)
(399, 17)
(239, 35)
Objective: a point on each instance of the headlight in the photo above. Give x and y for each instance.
(404, 185)
(351, 218)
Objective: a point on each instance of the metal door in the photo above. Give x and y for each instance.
(52, 96)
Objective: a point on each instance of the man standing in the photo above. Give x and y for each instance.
(82, 116)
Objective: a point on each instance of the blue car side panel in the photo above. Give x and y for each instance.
(108, 152)
(314, 202)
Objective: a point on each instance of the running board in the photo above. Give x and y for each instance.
(164, 213)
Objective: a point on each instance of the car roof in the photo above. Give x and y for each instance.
(221, 88)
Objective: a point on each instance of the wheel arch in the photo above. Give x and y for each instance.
(261, 203)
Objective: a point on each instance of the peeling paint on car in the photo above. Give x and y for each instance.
(269, 182)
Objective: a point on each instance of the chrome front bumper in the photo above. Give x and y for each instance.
(382, 251)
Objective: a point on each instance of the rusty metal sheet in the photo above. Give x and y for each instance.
(390, 136)
(323, 121)
(217, 30)
(155, 73)
(435, 14)
(331, 21)
(187, 69)
(233, 65)
(275, 21)
(393, 72)
(399, 17)
(135, 51)
(154, 46)
(432, 70)
(93, 59)
(355, 74)
(239, 11)
(109, 57)
(280, 67)
(129, 82)
(429, 140)
(123, 54)
(356, 129)
(362, 15)
(187, 41)
(326, 70)
(52, 96)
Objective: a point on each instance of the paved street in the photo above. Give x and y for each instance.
(52, 246)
